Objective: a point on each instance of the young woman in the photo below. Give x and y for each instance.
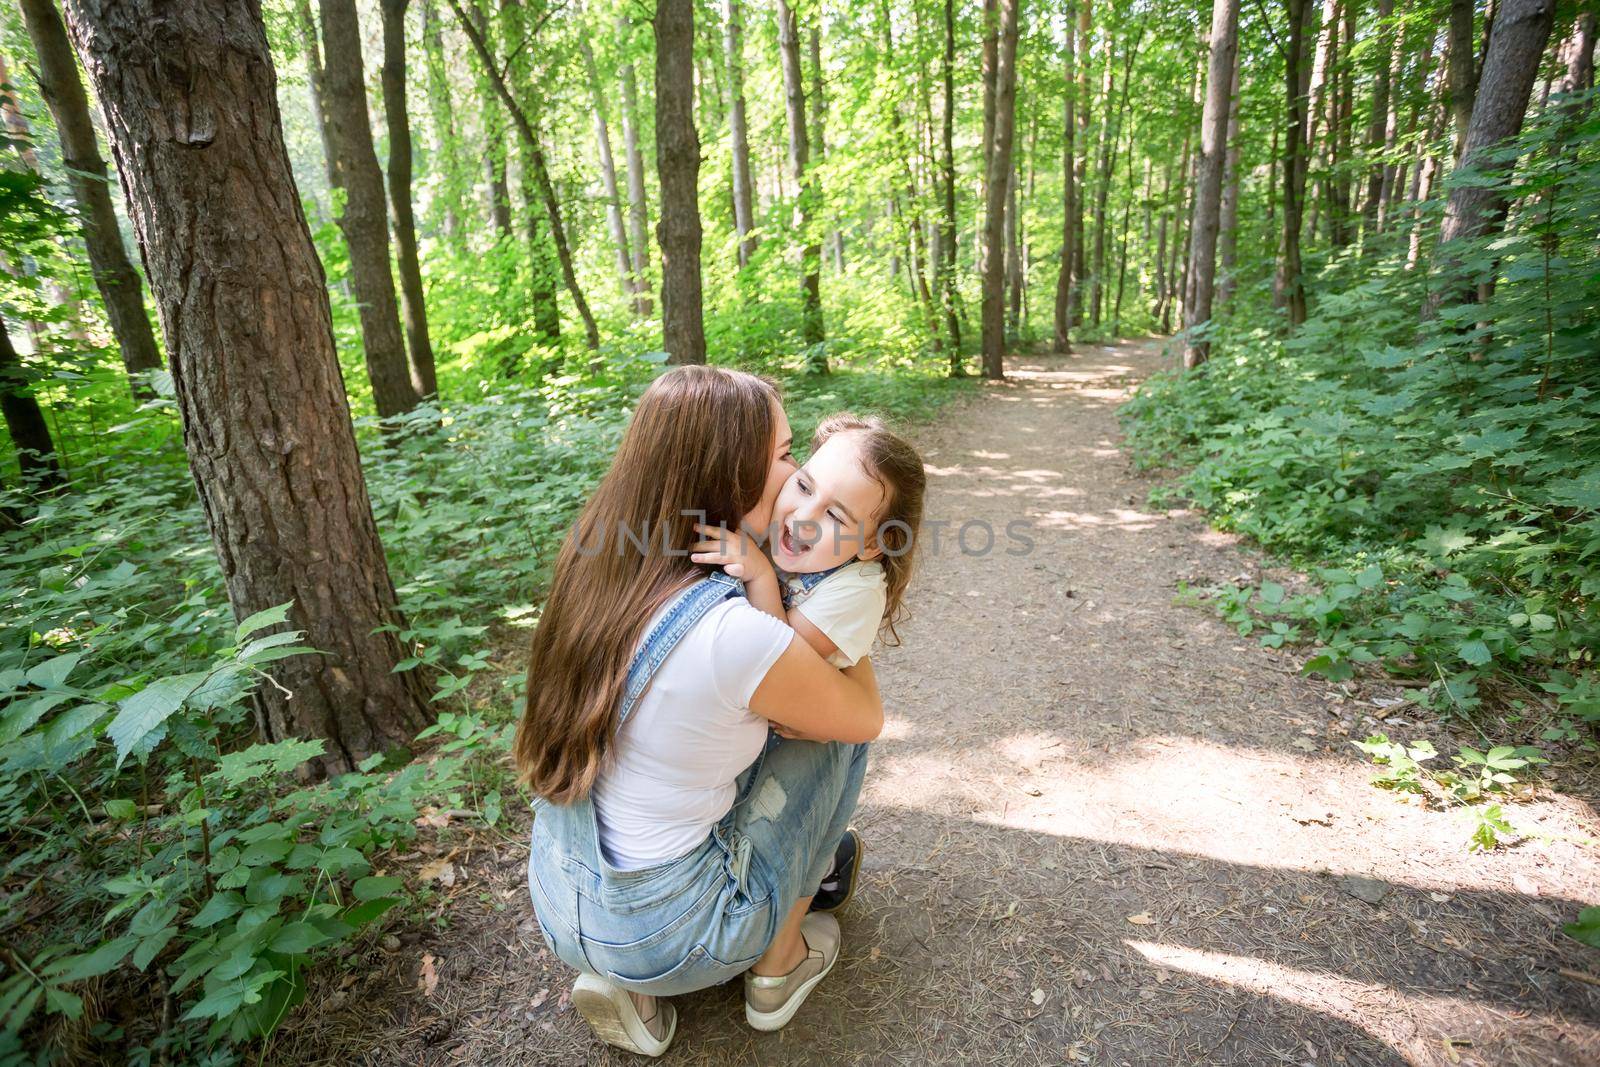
(674, 847)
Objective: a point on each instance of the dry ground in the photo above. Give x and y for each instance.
(1102, 828)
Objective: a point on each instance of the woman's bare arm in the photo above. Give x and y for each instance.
(810, 697)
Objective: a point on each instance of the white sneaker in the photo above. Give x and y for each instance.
(770, 1002)
(615, 1019)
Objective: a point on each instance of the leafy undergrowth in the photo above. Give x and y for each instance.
(1440, 483)
(166, 881)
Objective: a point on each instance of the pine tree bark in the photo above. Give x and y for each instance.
(738, 130)
(540, 170)
(413, 305)
(678, 164)
(25, 422)
(1063, 306)
(999, 168)
(794, 93)
(1208, 179)
(188, 96)
(1478, 209)
(608, 167)
(365, 219)
(114, 275)
(638, 209)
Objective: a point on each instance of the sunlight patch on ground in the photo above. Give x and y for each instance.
(1122, 518)
(1363, 1005)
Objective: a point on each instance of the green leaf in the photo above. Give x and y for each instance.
(52, 673)
(1586, 929)
(297, 938)
(261, 620)
(62, 1002)
(151, 947)
(236, 768)
(147, 709)
(376, 886)
(359, 915)
(221, 906)
(1272, 593)
(121, 810)
(91, 964)
(1371, 578)
(1474, 652)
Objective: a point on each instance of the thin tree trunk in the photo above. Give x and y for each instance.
(1427, 168)
(114, 275)
(1122, 244)
(1085, 105)
(947, 221)
(638, 209)
(1208, 180)
(819, 134)
(316, 84)
(413, 306)
(1014, 272)
(678, 163)
(441, 110)
(1102, 186)
(811, 328)
(1063, 306)
(608, 168)
(738, 130)
(999, 163)
(25, 422)
(541, 174)
(1158, 309)
(365, 219)
(1292, 289)
(1380, 127)
(188, 96)
(1463, 71)
(1228, 222)
(1478, 209)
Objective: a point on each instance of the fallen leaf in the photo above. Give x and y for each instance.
(1304, 744)
(1440, 898)
(1038, 997)
(539, 998)
(1141, 919)
(875, 953)
(427, 977)
(442, 871)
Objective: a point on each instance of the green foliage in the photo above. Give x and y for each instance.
(1440, 483)
(1479, 781)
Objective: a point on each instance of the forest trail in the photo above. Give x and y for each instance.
(1102, 828)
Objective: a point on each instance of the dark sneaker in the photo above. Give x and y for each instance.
(840, 884)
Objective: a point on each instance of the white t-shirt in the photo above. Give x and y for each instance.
(847, 606)
(670, 773)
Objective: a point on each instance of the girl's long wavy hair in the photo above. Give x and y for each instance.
(700, 443)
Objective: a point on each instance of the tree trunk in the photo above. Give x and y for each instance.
(541, 173)
(1015, 278)
(738, 130)
(1463, 71)
(494, 132)
(794, 93)
(1208, 180)
(1292, 288)
(678, 164)
(316, 83)
(638, 209)
(1427, 167)
(1081, 184)
(1102, 186)
(1228, 222)
(442, 112)
(608, 168)
(30, 433)
(365, 219)
(1380, 126)
(1478, 209)
(413, 307)
(947, 221)
(1063, 307)
(188, 96)
(114, 276)
(999, 164)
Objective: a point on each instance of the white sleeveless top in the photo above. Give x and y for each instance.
(669, 777)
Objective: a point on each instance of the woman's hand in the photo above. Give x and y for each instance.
(734, 551)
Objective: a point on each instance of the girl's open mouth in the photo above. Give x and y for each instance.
(790, 546)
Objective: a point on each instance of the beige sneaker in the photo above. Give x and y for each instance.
(615, 1019)
(769, 1003)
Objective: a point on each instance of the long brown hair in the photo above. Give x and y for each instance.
(889, 460)
(700, 443)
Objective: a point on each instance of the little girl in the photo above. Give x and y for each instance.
(844, 527)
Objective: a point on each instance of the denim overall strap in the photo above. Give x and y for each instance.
(808, 582)
(689, 608)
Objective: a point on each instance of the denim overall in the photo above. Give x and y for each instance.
(704, 917)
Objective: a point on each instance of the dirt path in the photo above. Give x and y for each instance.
(1101, 828)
